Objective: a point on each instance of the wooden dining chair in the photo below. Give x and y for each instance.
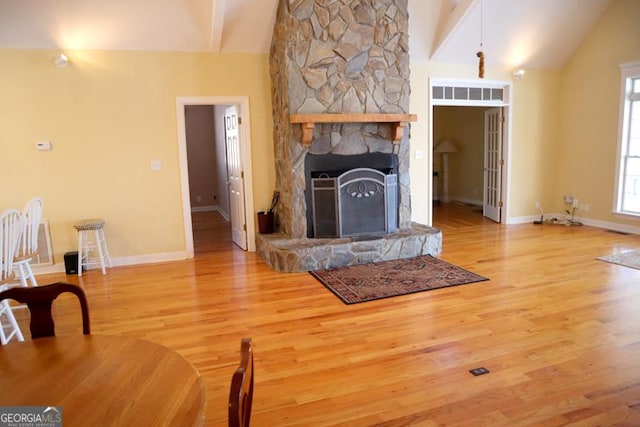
(241, 393)
(39, 301)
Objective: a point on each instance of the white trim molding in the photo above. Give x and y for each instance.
(59, 267)
(243, 103)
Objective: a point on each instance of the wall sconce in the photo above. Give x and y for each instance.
(518, 74)
(61, 61)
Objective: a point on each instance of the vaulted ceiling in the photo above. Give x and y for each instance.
(529, 33)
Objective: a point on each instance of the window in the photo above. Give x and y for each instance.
(463, 91)
(628, 194)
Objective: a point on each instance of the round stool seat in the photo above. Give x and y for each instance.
(89, 224)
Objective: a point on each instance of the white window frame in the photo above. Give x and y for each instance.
(628, 72)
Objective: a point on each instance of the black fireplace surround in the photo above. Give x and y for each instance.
(334, 165)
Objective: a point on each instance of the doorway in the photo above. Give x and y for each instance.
(243, 151)
(467, 158)
(486, 158)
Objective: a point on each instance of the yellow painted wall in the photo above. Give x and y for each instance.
(108, 115)
(112, 112)
(590, 101)
(534, 135)
(534, 159)
(421, 169)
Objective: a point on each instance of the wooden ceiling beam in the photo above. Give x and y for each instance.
(450, 22)
(217, 8)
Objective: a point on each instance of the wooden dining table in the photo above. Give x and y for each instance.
(103, 380)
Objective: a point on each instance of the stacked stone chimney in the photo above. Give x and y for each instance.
(337, 56)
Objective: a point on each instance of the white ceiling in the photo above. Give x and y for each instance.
(529, 33)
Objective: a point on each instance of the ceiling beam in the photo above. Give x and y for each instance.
(217, 24)
(447, 27)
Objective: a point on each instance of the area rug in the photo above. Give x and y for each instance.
(368, 282)
(628, 259)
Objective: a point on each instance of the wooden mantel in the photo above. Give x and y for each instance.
(308, 122)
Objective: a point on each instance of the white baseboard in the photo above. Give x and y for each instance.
(224, 214)
(531, 218)
(622, 228)
(149, 259)
(204, 208)
(119, 261)
(467, 201)
(522, 219)
(47, 269)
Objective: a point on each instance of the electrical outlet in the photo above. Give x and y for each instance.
(479, 371)
(568, 199)
(538, 205)
(585, 208)
(199, 198)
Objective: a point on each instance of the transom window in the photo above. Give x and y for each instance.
(628, 194)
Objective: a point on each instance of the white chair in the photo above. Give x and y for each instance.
(28, 243)
(9, 235)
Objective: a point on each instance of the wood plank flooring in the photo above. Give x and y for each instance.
(558, 329)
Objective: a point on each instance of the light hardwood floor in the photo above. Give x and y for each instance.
(558, 329)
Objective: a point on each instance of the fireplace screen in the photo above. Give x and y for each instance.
(358, 202)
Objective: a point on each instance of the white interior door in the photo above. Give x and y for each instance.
(492, 202)
(235, 178)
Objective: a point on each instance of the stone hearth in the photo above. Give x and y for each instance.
(339, 57)
(297, 255)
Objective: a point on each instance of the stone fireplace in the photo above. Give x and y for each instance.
(340, 94)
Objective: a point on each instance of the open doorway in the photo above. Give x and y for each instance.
(470, 145)
(208, 172)
(467, 158)
(214, 196)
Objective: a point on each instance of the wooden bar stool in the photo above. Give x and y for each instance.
(91, 240)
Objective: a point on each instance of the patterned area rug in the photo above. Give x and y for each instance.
(627, 259)
(368, 282)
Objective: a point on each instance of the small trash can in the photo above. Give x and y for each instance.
(71, 262)
(265, 222)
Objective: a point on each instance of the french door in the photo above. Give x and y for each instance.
(493, 162)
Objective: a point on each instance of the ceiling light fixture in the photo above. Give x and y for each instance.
(518, 74)
(61, 61)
